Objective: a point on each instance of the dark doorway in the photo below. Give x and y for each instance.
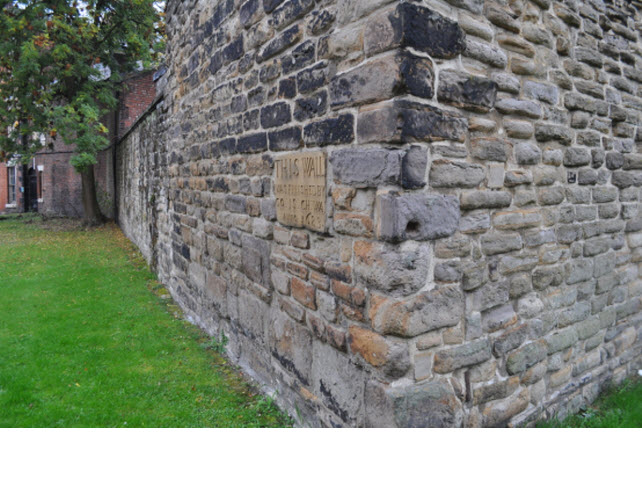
(31, 191)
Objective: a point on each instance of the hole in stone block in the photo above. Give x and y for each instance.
(412, 227)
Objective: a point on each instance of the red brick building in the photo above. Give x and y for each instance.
(49, 184)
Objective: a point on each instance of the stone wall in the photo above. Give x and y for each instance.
(479, 262)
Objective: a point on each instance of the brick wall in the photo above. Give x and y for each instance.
(137, 95)
(62, 187)
(479, 264)
(3, 186)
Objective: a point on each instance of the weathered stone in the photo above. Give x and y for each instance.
(490, 149)
(494, 243)
(415, 216)
(382, 79)
(404, 121)
(526, 357)
(527, 153)
(366, 167)
(485, 199)
(330, 132)
(491, 294)
(512, 106)
(499, 318)
(413, 168)
(561, 340)
(463, 356)
(510, 340)
(442, 307)
(401, 269)
(516, 220)
(495, 391)
(426, 405)
(485, 53)
(498, 413)
(377, 351)
(448, 174)
(466, 91)
(577, 157)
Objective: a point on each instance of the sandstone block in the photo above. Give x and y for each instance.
(424, 405)
(526, 356)
(490, 149)
(510, 340)
(401, 269)
(438, 308)
(494, 243)
(452, 174)
(485, 199)
(463, 356)
(499, 413)
(499, 318)
(415, 216)
(404, 121)
(466, 91)
(415, 26)
(382, 79)
(517, 220)
(366, 167)
(379, 352)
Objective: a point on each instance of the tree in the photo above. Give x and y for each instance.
(62, 63)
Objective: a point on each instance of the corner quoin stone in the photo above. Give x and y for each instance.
(416, 216)
(418, 27)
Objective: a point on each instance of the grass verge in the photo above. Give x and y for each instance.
(88, 338)
(619, 407)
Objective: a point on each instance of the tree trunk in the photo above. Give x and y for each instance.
(92, 215)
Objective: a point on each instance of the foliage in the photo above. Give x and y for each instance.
(61, 65)
(620, 407)
(87, 343)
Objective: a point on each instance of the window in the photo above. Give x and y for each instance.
(11, 176)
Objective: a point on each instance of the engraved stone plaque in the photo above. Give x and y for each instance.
(300, 190)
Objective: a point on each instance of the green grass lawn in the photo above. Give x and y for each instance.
(620, 407)
(87, 340)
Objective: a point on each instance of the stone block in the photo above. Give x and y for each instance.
(291, 345)
(438, 308)
(490, 149)
(526, 356)
(466, 355)
(499, 413)
(415, 216)
(466, 91)
(415, 26)
(485, 199)
(491, 294)
(510, 340)
(382, 79)
(391, 356)
(256, 260)
(517, 220)
(499, 318)
(338, 382)
(401, 269)
(404, 121)
(413, 167)
(332, 131)
(424, 405)
(494, 243)
(527, 153)
(561, 340)
(495, 391)
(452, 174)
(367, 167)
